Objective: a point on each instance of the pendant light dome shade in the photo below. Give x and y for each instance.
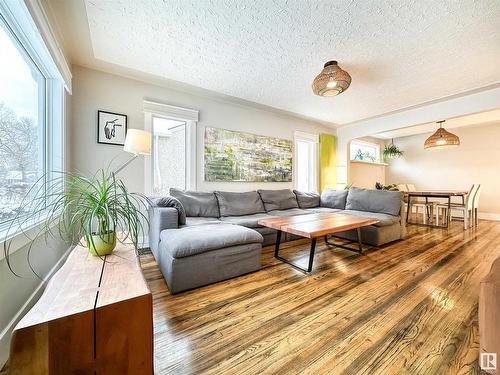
(441, 139)
(331, 81)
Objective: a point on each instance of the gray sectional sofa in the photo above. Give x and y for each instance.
(200, 238)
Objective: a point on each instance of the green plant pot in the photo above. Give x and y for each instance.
(103, 244)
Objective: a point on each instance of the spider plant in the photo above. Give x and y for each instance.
(391, 151)
(93, 211)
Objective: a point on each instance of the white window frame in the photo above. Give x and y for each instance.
(365, 143)
(313, 139)
(21, 25)
(190, 117)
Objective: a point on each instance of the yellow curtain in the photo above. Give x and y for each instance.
(327, 161)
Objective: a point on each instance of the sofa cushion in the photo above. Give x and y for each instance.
(384, 219)
(197, 239)
(249, 221)
(197, 203)
(289, 212)
(197, 220)
(265, 230)
(318, 210)
(170, 201)
(307, 200)
(383, 201)
(333, 198)
(278, 199)
(239, 204)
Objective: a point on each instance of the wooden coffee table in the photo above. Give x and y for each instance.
(314, 226)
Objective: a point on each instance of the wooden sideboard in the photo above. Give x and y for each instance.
(94, 317)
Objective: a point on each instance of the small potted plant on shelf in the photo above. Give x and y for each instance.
(391, 151)
(94, 211)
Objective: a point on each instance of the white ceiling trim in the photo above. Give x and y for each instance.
(482, 101)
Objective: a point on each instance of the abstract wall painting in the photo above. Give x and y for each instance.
(239, 156)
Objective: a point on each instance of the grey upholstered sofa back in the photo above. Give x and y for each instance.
(197, 203)
(239, 204)
(332, 198)
(307, 199)
(381, 201)
(278, 199)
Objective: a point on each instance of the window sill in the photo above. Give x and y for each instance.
(20, 239)
(369, 162)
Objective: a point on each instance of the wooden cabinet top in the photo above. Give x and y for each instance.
(86, 282)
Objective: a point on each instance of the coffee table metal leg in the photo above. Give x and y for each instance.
(360, 243)
(311, 254)
(277, 244)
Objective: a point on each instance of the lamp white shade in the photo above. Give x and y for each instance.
(138, 142)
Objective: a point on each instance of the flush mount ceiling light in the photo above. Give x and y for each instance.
(441, 139)
(331, 81)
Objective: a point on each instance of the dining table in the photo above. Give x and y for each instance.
(443, 194)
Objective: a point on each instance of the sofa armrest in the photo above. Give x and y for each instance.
(160, 218)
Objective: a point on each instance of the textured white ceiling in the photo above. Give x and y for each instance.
(399, 53)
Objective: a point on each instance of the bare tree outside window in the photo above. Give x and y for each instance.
(22, 92)
(19, 160)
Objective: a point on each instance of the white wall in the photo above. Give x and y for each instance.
(476, 160)
(93, 90)
(366, 174)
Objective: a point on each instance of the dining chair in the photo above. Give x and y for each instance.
(467, 208)
(426, 206)
(475, 205)
(402, 187)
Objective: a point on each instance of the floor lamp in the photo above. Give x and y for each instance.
(137, 142)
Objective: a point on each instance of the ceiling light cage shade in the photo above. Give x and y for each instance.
(441, 139)
(331, 81)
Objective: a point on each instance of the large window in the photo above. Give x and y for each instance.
(306, 161)
(22, 131)
(31, 115)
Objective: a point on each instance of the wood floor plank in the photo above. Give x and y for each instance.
(409, 307)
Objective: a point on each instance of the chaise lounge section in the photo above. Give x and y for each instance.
(213, 236)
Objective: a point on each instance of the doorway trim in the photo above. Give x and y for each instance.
(190, 117)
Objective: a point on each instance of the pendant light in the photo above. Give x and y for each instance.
(331, 81)
(441, 139)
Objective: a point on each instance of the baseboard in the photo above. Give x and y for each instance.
(6, 333)
(489, 216)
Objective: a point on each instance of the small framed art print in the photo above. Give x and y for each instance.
(111, 128)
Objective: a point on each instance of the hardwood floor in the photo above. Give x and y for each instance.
(406, 308)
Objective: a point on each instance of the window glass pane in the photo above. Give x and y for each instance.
(365, 151)
(22, 97)
(169, 163)
(306, 164)
(303, 165)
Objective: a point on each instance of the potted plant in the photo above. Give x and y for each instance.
(391, 151)
(95, 211)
